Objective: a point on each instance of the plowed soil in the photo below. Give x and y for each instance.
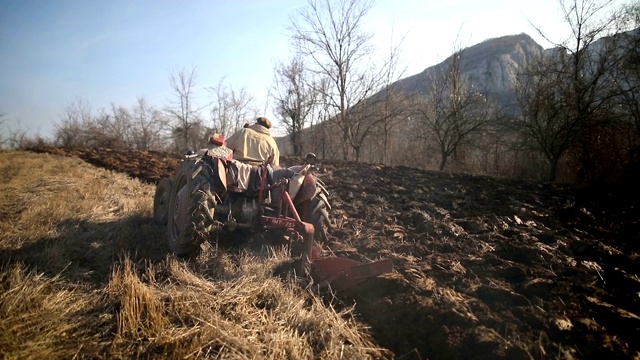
(483, 268)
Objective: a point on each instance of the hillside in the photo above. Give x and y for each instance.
(484, 268)
(490, 66)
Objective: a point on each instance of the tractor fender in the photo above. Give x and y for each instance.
(222, 173)
(307, 190)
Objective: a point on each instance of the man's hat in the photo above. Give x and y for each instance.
(264, 122)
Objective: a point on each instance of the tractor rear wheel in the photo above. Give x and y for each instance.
(191, 209)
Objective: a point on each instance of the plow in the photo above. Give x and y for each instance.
(212, 195)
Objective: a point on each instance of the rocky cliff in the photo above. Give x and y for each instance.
(491, 66)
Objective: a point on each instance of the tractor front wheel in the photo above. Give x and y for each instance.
(161, 201)
(314, 211)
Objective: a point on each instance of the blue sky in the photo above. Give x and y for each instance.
(53, 52)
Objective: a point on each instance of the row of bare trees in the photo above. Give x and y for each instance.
(577, 116)
(332, 84)
(142, 127)
(579, 103)
(350, 105)
(182, 124)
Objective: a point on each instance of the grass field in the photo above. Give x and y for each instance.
(85, 273)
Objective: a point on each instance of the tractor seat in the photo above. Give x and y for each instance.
(245, 178)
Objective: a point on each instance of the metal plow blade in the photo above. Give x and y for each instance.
(342, 273)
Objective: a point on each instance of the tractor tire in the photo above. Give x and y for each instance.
(316, 212)
(191, 209)
(161, 201)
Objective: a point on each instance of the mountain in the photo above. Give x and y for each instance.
(491, 65)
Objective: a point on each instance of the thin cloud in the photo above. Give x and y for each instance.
(95, 40)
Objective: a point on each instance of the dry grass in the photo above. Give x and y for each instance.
(44, 319)
(84, 273)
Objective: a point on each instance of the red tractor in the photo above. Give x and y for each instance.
(212, 194)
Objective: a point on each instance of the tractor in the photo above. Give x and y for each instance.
(212, 194)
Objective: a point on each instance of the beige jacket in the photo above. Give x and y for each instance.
(253, 145)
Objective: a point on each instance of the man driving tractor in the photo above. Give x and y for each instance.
(254, 144)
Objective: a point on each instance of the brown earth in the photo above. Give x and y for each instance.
(483, 268)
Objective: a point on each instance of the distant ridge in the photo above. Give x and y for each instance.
(491, 65)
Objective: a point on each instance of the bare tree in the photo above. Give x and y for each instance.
(543, 126)
(110, 128)
(296, 98)
(566, 98)
(231, 108)
(147, 126)
(589, 66)
(329, 33)
(3, 141)
(17, 137)
(74, 120)
(390, 107)
(320, 133)
(452, 111)
(627, 104)
(628, 74)
(183, 109)
(380, 111)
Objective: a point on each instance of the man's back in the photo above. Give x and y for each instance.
(254, 144)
